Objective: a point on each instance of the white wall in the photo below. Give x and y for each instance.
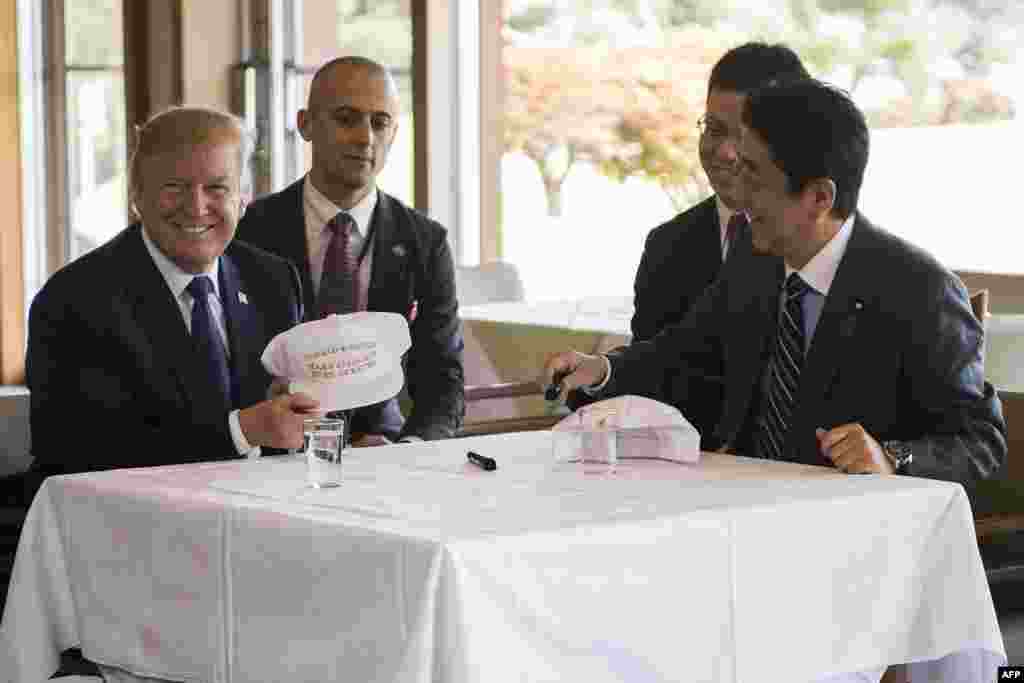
(210, 46)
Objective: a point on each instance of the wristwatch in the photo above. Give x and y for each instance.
(899, 454)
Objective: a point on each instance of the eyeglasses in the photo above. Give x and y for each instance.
(712, 132)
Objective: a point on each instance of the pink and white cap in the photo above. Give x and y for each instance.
(343, 361)
(641, 427)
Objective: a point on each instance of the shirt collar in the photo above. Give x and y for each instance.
(819, 272)
(325, 209)
(176, 278)
(725, 214)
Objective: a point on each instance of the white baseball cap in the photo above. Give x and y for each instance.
(343, 361)
(626, 427)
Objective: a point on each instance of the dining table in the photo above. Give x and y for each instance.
(423, 566)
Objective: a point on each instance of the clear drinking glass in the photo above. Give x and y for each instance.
(324, 447)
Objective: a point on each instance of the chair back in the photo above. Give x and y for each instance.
(980, 305)
(494, 404)
(488, 283)
(997, 502)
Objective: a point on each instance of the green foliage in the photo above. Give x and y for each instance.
(869, 10)
(534, 17)
(899, 50)
(630, 109)
(379, 8)
(382, 31)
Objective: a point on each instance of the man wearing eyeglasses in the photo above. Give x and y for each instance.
(685, 255)
(360, 249)
(840, 343)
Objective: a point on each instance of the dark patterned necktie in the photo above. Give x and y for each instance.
(338, 283)
(207, 339)
(786, 364)
(736, 225)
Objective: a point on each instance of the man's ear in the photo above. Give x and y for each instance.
(302, 120)
(394, 134)
(823, 195)
(133, 206)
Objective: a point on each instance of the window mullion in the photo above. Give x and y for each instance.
(58, 242)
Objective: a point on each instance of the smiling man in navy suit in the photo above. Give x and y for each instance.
(150, 345)
(360, 249)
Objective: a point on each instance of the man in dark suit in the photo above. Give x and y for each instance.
(146, 351)
(385, 257)
(684, 255)
(838, 343)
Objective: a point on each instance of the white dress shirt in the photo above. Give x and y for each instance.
(177, 281)
(319, 210)
(725, 215)
(818, 273)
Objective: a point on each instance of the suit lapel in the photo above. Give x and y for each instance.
(244, 326)
(291, 242)
(753, 316)
(390, 259)
(704, 263)
(834, 335)
(711, 237)
(159, 317)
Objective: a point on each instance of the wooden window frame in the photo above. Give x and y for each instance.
(12, 275)
(153, 80)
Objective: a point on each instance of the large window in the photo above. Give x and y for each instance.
(71, 99)
(378, 29)
(72, 129)
(602, 97)
(95, 122)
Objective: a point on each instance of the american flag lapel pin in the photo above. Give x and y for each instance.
(242, 298)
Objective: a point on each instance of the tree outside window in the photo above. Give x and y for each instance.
(602, 98)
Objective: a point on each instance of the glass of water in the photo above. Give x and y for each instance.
(324, 446)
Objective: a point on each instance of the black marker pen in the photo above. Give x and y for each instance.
(481, 461)
(553, 390)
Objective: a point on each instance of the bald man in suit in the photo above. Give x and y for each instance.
(399, 258)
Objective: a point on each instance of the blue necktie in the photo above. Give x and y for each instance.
(207, 339)
(786, 364)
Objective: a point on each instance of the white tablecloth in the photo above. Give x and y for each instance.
(421, 567)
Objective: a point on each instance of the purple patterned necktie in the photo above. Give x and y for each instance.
(338, 283)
